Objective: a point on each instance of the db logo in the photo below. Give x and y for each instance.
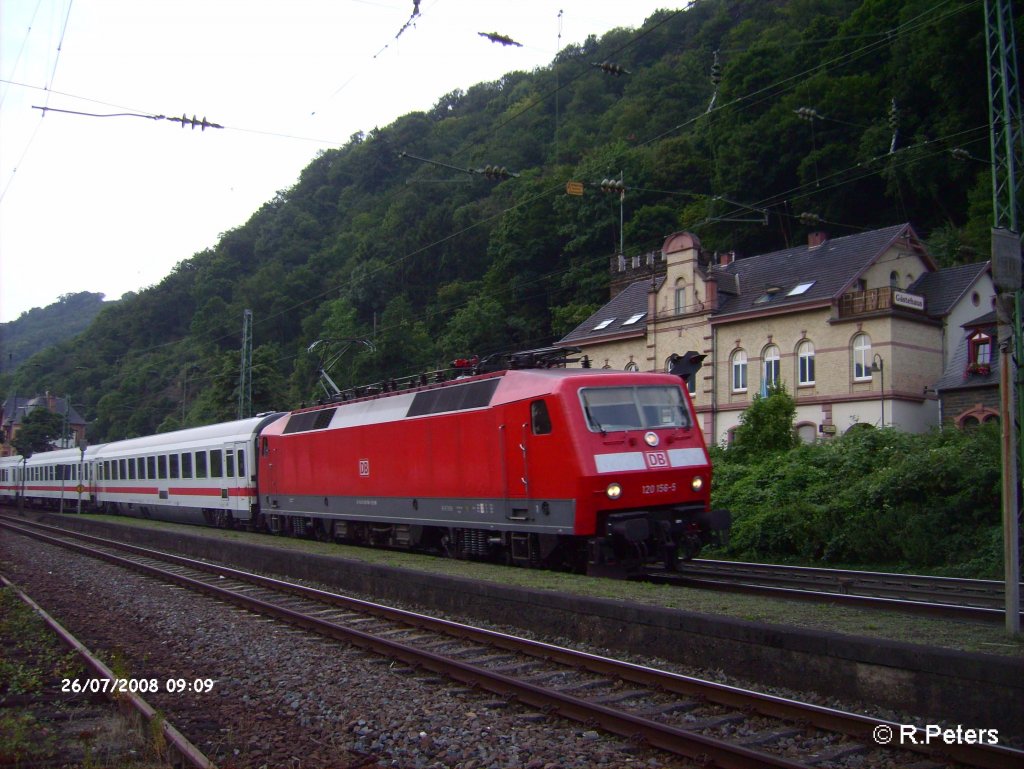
(657, 459)
(364, 467)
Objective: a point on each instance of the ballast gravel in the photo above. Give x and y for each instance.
(285, 698)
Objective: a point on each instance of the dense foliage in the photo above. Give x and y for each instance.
(39, 431)
(870, 497)
(431, 263)
(766, 426)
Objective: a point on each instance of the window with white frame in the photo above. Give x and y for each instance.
(980, 351)
(770, 369)
(739, 371)
(680, 297)
(805, 363)
(861, 358)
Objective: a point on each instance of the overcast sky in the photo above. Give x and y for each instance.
(111, 204)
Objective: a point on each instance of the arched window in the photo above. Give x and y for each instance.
(976, 416)
(894, 279)
(632, 366)
(862, 358)
(807, 432)
(680, 296)
(805, 363)
(770, 368)
(739, 371)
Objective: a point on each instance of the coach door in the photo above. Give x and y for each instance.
(237, 472)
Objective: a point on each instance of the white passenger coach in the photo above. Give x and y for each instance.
(197, 475)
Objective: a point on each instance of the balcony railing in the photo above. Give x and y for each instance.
(878, 299)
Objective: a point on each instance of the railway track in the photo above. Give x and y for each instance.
(939, 596)
(714, 723)
(44, 722)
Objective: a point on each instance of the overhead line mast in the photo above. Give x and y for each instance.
(1007, 146)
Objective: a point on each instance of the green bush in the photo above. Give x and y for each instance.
(880, 497)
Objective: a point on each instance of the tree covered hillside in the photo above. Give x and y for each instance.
(747, 122)
(42, 327)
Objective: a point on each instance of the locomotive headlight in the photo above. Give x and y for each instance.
(651, 439)
(697, 483)
(614, 491)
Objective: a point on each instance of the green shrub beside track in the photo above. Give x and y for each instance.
(870, 496)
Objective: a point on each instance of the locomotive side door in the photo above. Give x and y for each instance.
(514, 432)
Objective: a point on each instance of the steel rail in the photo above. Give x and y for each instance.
(948, 610)
(846, 579)
(860, 727)
(667, 738)
(175, 739)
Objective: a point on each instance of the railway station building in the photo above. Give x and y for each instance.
(14, 409)
(861, 330)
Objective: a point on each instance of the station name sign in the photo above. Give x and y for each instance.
(910, 301)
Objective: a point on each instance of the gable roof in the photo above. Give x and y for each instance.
(943, 289)
(15, 409)
(829, 268)
(613, 320)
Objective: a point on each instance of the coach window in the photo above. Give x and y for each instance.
(131, 469)
(229, 463)
(161, 466)
(540, 418)
(186, 465)
(241, 463)
(142, 468)
(216, 463)
(124, 469)
(174, 465)
(200, 464)
(151, 468)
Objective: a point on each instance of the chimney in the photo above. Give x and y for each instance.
(816, 238)
(726, 258)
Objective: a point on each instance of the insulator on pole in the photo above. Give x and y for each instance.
(612, 68)
(716, 71)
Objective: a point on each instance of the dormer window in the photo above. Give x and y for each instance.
(981, 347)
(979, 353)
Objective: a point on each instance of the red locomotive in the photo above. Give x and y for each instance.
(518, 459)
(527, 462)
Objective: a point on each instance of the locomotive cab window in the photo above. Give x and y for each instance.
(540, 418)
(608, 409)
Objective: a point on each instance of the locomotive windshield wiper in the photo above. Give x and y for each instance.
(593, 422)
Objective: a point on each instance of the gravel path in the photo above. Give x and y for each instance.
(284, 698)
